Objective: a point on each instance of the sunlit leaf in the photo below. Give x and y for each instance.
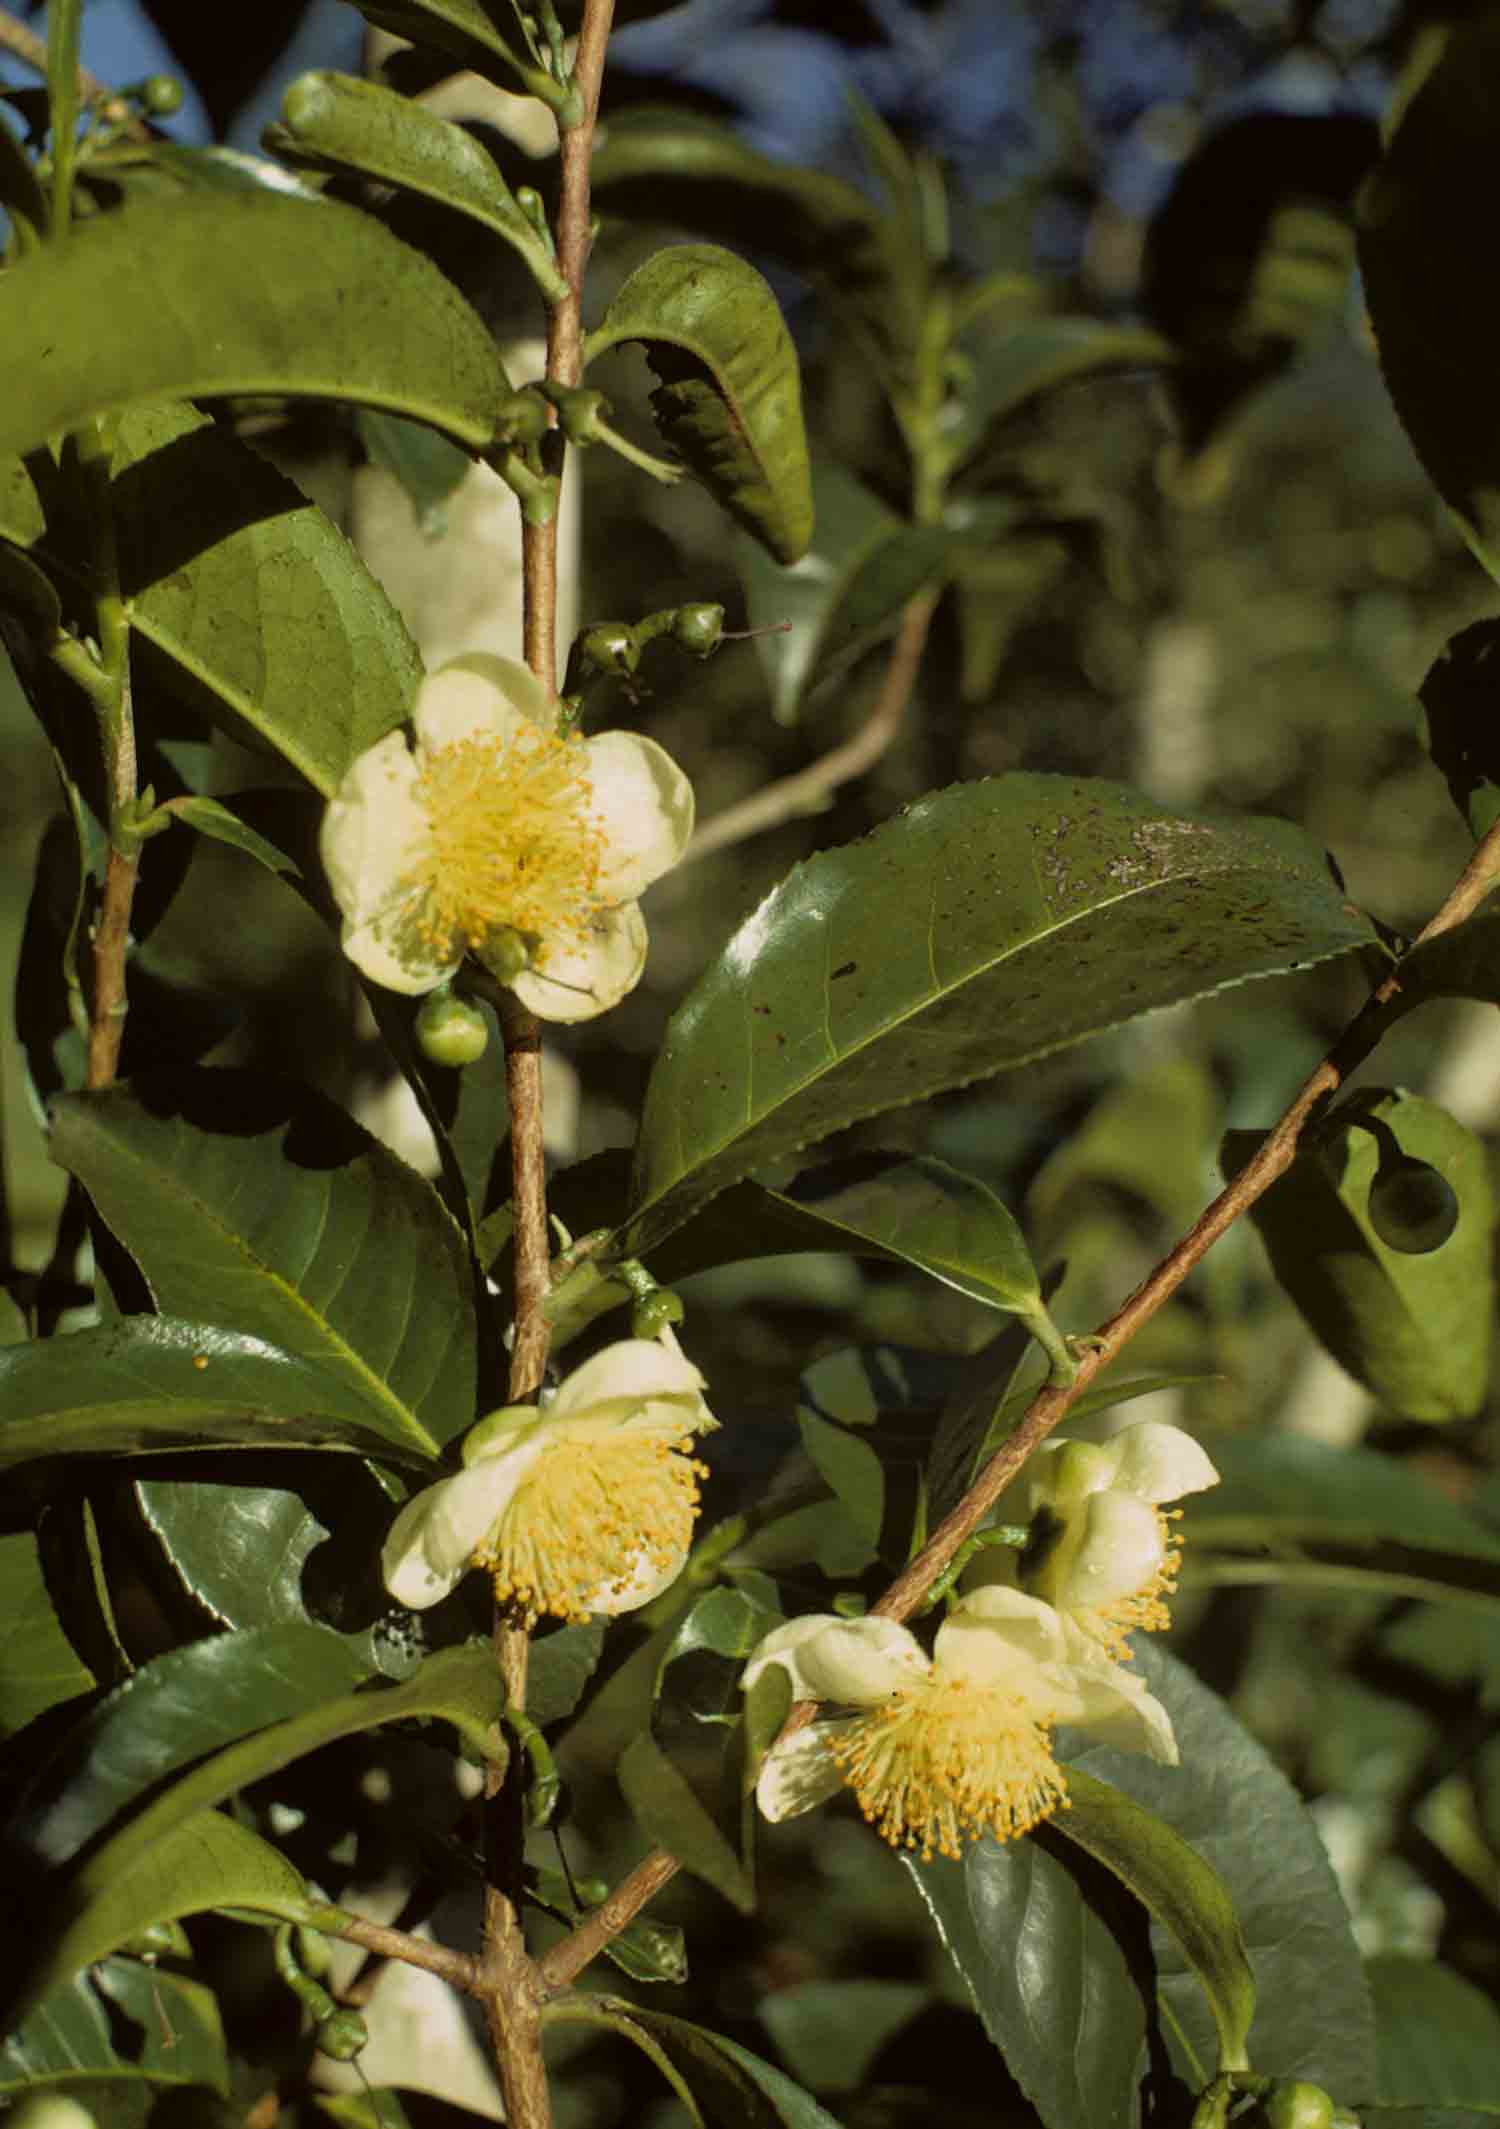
(729, 396)
(85, 2028)
(987, 925)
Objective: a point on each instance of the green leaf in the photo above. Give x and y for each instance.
(177, 1855)
(464, 28)
(670, 1815)
(663, 166)
(217, 821)
(562, 1663)
(1238, 1811)
(338, 122)
(240, 589)
(1434, 308)
(725, 1622)
(428, 467)
(1053, 1955)
(175, 1710)
(263, 1205)
(154, 1382)
(1037, 355)
(1415, 1326)
(932, 1216)
(1439, 2038)
(1429, 2117)
(733, 2088)
(170, 2027)
(214, 293)
(730, 397)
(1289, 1510)
(38, 1666)
(1051, 908)
(850, 1469)
(1458, 727)
(830, 2032)
(1460, 963)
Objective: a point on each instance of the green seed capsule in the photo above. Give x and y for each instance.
(1297, 2106)
(451, 1031)
(1412, 1208)
(161, 95)
(699, 629)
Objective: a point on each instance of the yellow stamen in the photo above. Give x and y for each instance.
(513, 846)
(946, 1760)
(1143, 1611)
(592, 1514)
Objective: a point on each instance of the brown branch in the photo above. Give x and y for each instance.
(108, 1004)
(456, 1968)
(1275, 1155)
(28, 46)
(806, 790)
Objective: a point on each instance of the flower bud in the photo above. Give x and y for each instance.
(698, 629)
(451, 1031)
(1297, 2106)
(161, 95)
(50, 2110)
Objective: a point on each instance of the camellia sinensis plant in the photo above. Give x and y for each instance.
(404, 1577)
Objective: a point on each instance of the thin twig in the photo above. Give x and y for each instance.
(28, 46)
(806, 791)
(1275, 1155)
(456, 1968)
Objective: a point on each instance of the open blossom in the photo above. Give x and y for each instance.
(498, 836)
(582, 1504)
(1103, 1549)
(947, 1747)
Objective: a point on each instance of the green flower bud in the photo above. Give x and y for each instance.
(505, 953)
(699, 629)
(50, 2110)
(161, 95)
(653, 1312)
(1297, 2106)
(342, 2036)
(611, 647)
(1412, 1208)
(451, 1031)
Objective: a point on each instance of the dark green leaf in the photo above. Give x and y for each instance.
(80, 2032)
(689, 172)
(830, 2032)
(1457, 712)
(733, 2088)
(190, 1702)
(213, 293)
(1304, 1511)
(851, 1471)
(1051, 908)
(730, 397)
(1052, 1955)
(1242, 1816)
(1461, 963)
(1429, 2117)
(1434, 307)
(670, 1815)
(1036, 355)
(38, 1667)
(562, 1663)
(428, 467)
(1415, 1327)
(932, 1216)
(464, 28)
(212, 819)
(1439, 2038)
(338, 122)
(262, 1205)
(154, 1382)
(726, 1622)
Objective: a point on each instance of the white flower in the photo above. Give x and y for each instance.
(495, 835)
(1102, 1550)
(583, 1504)
(958, 1744)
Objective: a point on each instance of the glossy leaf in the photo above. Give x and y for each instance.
(733, 2088)
(1243, 1818)
(1286, 1509)
(1457, 697)
(1055, 1960)
(84, 2028)
(464, 28)
(1439, 2036)
(1461, 963)
(241, 590)
(943, 1222)
(986, 925)
(1415, 1327)
(729, 397)
(562, 1663)
(262, 1205)
(338, 122)
(1434, 308)
(214, 293)
(192, 1701)
(200, 1862)
(169, 1859)
(38, 1664)
(155, 1382)
(725, 1622)
(670, 1815)
(691, 173)
(223, 826)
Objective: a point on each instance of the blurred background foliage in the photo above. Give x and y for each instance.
(1225, 583)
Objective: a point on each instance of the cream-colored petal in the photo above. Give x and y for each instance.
(801, 1774)
(1120, 1549)
(479, 696)
(373, 828)
(646, 1580)
(623, 1376)
(501, 1432)
(644, 804)
(996, 1636)
(779, 1644)
(578, 982)
(1157, 1462)
(857, 1661)
(432, 1540)
(369, 947)
(1113, 1705)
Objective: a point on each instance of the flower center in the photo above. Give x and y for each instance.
(513, 844)
(590, 1516)
(1143, 1611)
(946, 1760)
